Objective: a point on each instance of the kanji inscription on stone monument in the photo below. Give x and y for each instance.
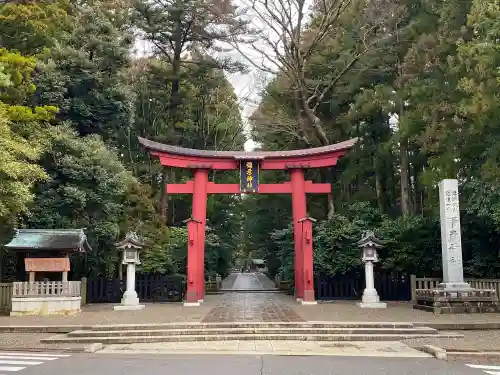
(451, 240)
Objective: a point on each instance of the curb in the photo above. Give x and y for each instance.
(45, 350)
(473, 353)
(459, 326)
(435, 351)
(445, 355)
(259, 353)
(92, 348)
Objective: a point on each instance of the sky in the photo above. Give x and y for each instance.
(248, 85)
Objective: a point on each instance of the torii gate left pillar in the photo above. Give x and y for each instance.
(295, 162)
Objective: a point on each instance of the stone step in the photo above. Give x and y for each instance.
(262, 331)
(192, 338)
(226, 325)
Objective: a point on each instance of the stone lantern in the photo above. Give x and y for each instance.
(130, 248)
(369, 244)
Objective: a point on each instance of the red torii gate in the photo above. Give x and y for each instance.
(249, 163)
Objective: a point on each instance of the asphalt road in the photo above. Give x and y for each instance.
(107, 364)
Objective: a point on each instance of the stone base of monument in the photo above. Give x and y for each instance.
(457, 301)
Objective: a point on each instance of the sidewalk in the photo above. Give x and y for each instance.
(259, 307)
(269, 347)
(395, 312)
(473, 341)
(104, 314)
(340, 311)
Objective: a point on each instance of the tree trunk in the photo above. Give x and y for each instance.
(379, 189)
(327, 177)
(164, 196)
(405, 179)
(314, 121)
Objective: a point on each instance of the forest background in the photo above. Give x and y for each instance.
(418, 82)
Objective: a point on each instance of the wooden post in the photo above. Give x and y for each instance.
(84, 291)
(413, 284)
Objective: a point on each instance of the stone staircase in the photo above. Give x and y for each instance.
(312, 331)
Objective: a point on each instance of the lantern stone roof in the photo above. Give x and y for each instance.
(71, 240)
(131, 241)
(245, 155)
(369, 239)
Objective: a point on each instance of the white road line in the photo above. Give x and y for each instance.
(11, 362)
(485, 367)
(28, 358)
(6, 368)
(32, 354)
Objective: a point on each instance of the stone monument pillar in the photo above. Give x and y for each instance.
(130, 248)
(451, 239)
(453, 295)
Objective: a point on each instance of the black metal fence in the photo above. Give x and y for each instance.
(391, 286)
(150, 287)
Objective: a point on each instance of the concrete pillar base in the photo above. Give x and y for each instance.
(128, 307)
(305, 303)
(372, 305)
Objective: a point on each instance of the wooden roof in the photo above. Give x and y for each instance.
(245, 155)
(73, 240)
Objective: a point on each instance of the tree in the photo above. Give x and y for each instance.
(18, 170)
(29, 27)
(177, 29)
(87, 188)
(86, 77)
(22, 134)
(294, 40)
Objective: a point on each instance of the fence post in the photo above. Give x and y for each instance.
(413, 284)
(84, 291)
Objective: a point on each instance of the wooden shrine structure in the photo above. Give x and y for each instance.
(249, 164)
(46, 254)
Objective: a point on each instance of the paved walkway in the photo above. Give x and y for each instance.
(251, 307)
(248, 281)
(240, 305)
(271, 347)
